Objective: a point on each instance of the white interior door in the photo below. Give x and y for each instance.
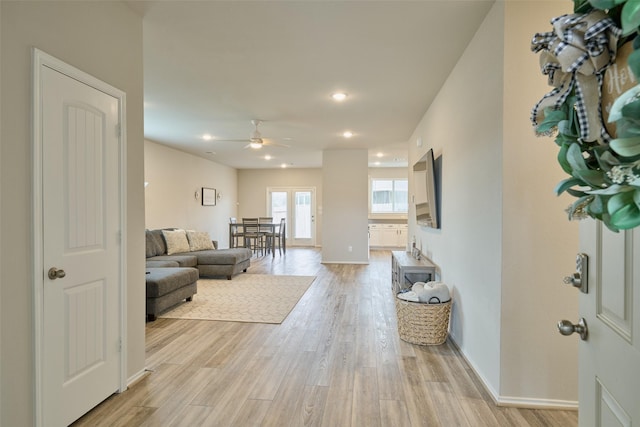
(297, 206)
(609, 358)
(79, 333)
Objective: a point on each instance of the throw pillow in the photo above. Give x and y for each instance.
(160, 245)
(149, 244)
(176, 241)
(199, 240)
(155, 243)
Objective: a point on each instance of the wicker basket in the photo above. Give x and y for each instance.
(424, 324)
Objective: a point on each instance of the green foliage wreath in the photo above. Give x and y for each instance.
(604, 171)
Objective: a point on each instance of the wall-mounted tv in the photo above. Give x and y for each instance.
(426, 197)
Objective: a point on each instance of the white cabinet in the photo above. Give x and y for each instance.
(388, 235)
(403, 232)
(375, 235)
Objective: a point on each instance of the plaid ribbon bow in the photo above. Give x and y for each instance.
(575, 55)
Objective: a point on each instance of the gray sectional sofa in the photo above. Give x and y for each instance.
(209, 262)
(177, 258)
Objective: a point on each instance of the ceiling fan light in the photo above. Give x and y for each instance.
(255, 145)
(339, 96)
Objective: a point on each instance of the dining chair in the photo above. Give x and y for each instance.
(253, 238)
(266, 230)
(237, 232)
(280, 235)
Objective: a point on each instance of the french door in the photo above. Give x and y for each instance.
(298, 207)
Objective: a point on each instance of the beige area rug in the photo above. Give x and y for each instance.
(256, 298)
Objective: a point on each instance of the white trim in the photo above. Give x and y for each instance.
(518, 402)
(1, 374)
(122, 104)
(137, 377)
(515, 402)
(41, 59)
(345, 262)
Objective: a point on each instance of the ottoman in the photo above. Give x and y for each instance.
(167, 287)
(223, 262)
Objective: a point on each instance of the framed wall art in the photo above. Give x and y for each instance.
(208, 196)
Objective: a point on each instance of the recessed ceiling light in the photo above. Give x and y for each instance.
(284, 165)
(267, 157)
(347, 134)
(339, 96)
(207, 137)
(379, 155)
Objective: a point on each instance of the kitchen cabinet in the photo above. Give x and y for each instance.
(388, 235)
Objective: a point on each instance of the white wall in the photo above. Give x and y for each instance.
(345, 212)
(464, 126)
(504, 236)
(105, 40)
(253, 183)
(174, 179)
(539, 243)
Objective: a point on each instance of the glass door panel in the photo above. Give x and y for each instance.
(302, 226)
(279, 203)
(297, 207)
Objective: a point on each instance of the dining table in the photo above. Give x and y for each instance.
(268, 227)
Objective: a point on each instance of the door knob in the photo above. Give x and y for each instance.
(54, 273)
(565, 327)
(574, 280)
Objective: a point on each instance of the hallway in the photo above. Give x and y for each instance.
(336, 360)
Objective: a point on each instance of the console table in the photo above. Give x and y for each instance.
(404, 268)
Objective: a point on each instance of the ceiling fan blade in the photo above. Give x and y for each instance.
(255, 140)
(254, 145)
(231, 140)
(271, 143)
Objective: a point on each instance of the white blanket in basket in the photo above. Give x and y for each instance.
(430, 292)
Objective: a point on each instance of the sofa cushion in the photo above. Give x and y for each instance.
(155, 243)
(161, 263)
(222, 256)
(199, 240)
(184, 260)
(161, 281)
(176, 241)
(149, 244)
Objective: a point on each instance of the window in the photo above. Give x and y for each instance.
(389, 196)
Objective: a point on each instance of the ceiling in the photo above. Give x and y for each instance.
(210, 67)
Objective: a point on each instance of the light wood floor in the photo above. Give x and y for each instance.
(336, 361)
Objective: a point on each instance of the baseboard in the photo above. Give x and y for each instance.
(137, 377)
(346, 262)
(516, 402)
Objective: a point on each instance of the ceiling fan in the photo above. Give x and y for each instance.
(256, 141)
